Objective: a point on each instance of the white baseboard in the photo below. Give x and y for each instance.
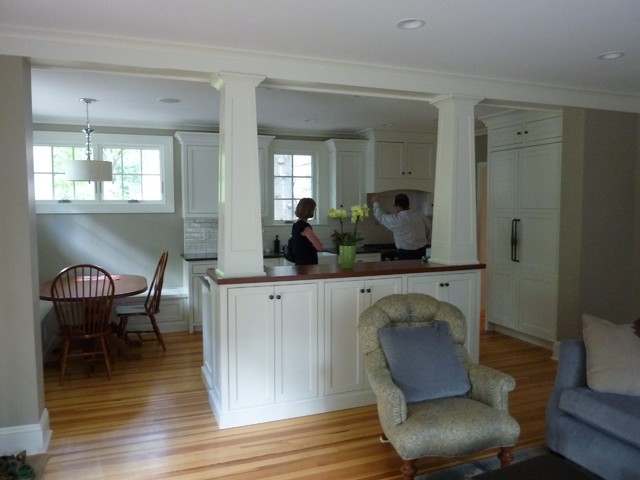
(300, 408)
(34, 438)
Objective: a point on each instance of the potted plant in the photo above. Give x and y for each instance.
(346, 242)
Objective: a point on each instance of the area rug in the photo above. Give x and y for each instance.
(468, 470)
(22, 466)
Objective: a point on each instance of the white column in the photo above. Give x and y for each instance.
(453, 238)
(239, 219)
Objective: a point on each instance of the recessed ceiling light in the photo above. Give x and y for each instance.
(169, 100)
(410, 23)
(610, 55)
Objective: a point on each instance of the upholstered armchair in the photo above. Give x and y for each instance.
(432, 399)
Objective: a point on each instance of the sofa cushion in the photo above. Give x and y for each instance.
(613, 356)
(615, 415)
(423, 362)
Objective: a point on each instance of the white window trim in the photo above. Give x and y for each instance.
(165, 143)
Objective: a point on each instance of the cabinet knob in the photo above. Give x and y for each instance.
(368, 290)
(270, 297)
(526, 131)
(446, 284)
(518, 133)
(441, 284)
(408, 173)
(362, 290)
(278, 297)
(402, 173)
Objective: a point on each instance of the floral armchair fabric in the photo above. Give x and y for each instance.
(454, 426)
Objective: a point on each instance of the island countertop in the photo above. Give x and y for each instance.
(365, 269)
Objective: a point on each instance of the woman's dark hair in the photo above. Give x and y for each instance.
(305, 208)
(401, 201)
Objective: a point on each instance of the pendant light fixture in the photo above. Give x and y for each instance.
(88, 170)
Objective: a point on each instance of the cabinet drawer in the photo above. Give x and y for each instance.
(201, 268)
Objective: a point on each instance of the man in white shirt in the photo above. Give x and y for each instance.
(411, 229)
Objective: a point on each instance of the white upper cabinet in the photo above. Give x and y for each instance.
(200, 172)
(200, 153)
(347, 160)
(401, 161)
(521, 131)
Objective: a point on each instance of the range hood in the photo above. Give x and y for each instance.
(418, 200)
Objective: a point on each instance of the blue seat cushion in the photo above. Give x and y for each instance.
(616, 415)
(423, 362)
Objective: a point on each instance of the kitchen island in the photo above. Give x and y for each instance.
(285, 344)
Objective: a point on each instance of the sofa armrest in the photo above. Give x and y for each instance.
(572, 372)
(490, 386)
(572, 365)
(391, 402)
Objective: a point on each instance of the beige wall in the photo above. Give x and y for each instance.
(22, 411)
(598, 246)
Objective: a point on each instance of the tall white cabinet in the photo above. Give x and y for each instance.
(347, 164)
(525, 156)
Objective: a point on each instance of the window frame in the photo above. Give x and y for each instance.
(111, 140)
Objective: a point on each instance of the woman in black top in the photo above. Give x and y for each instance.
(305, 243)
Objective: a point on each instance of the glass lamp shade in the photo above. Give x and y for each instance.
(89, 170)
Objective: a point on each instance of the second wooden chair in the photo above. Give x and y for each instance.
(150, 308)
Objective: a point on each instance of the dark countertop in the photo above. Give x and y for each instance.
(323, 272)
(193, 257)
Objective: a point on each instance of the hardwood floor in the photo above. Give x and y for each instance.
(153, 421)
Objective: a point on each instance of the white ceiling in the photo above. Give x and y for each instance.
(545, 45)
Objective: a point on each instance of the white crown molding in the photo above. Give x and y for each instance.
(197, 63)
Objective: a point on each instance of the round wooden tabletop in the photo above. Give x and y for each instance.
(125, 286)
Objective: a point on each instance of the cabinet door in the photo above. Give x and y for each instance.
(350, 181)
(419, 161)
(390, 159)
(510, 135)
(461, 290)
(251, 347)
(427, 285)
(546, 129)
(201, 186)
(296, 342)
(381, 287)
(344, 301)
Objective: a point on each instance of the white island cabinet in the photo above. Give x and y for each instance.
(274, 334)
(286, 344)
(344, 301)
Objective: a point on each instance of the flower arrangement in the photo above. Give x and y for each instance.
(358, 213)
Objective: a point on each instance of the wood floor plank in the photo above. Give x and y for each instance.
(153, 421)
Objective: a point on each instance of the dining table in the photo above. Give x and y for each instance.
(125, 285)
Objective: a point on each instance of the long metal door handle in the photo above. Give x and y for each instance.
(515, 241)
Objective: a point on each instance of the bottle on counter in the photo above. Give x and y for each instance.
(276, 246)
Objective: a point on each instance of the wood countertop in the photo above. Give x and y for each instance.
(323, 272)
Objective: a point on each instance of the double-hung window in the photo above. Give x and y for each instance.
(142, 174)
(293, 179)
